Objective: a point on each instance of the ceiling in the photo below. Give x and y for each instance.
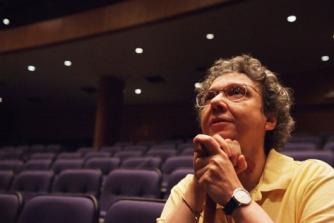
(176, 50)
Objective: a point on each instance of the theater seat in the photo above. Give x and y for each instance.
(122, 183)
(10, 205)
(60, 209)
(83, 181)
(134, 211)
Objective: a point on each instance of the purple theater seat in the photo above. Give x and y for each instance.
(10, 205)
(183, 146)
(83, 181)
(324, 155)
(175, 177)
(135, 147)
(13, 165)
(122, 155)
(67, 155)
(6, 178)
(134, 211)
(188, 151)
(94, 154)
(31, 183)
(173, 163)
(39, 164)
(162, 153)
(60, 164)
(104, 164)
(38, 156)
(142, 163)
(12, 154)
(122, 183)
(111, 149)
(299, 146)
(84, 150)
(60, 209)
(163, 146)
(146, 143)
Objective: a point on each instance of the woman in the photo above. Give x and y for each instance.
(244, 114)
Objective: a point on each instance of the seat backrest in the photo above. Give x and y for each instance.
(122, 183)
(56, 209)
(10, 205)
(69, 155)
(60, 164)
(175, 177)
(32, 182)
(13, 165)
(163, 146)
(111, 149)
(176, 162)
(82, 181)
(49, 155)
(324, 155)
(93, 154)
(104, 164)
(135, 147)
(142, 163)
(134, 211)
(162, 153)
(12, 154)
(122, 155)
(6, 178)
(39, 164)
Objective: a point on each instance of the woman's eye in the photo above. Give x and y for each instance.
(236, 91)
(210, 95)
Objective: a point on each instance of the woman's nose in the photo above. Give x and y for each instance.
(218, 103)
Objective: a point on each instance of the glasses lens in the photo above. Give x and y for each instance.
(235, 92)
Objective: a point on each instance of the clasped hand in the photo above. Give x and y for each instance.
(217, 163)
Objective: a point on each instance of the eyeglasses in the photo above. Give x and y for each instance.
(233, 92)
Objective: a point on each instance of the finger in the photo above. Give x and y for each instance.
(223, 144)
(200, 162)
(241, 164)
(207, 143)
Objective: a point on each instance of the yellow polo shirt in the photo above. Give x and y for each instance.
(289, 191)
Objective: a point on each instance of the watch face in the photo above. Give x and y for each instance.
(242, 196)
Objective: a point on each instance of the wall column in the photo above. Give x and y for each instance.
(108, 111)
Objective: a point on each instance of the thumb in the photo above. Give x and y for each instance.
(206, 145)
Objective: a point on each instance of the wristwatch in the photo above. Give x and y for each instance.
(240, 197)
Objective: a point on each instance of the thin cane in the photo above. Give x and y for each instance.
(210, 210)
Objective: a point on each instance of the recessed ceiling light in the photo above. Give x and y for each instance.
(6, 21)
(325, 58)
(31, 68)
(138, 91)
(68, 63)
(291, 18)
(210, 36)
(139, 50)
(0, 99)
(197, 85)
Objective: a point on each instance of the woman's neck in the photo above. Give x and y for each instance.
(255, 167)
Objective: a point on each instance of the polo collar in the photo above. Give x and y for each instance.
(277, 174)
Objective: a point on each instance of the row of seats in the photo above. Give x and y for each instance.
(318, 141)
(71, 209)
(162, 150)
(105, 164)
(108, 189)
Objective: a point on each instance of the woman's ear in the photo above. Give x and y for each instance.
(271, 122)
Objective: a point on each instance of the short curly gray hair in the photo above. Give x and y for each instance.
(277, 99)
